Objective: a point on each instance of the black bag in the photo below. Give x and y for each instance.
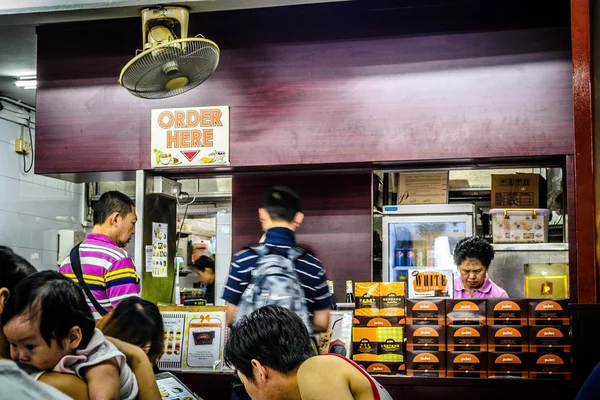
(76, 267)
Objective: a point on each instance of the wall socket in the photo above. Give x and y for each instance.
(22, 146)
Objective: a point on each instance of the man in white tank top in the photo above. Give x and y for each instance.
(275, 359)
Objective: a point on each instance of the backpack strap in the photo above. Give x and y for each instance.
(260, 249)
(295, 253)
(76, 267)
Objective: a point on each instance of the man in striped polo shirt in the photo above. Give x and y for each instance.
(107, 269)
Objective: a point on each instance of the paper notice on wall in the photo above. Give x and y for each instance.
(149, 254)
(423, 188)
(160, 254)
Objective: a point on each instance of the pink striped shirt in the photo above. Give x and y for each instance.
(107, 270)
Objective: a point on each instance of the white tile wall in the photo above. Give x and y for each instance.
(33, 207)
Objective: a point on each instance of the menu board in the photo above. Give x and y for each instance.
(204, 340)
(160, 253)
(171, 388)
(174, 324)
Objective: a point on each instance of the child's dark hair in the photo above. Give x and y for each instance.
(138, 322)
(282, 203)
(13, 269)
(474, 248)
(204, 262)
(57, 302)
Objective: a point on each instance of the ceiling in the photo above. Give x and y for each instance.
(18, 20)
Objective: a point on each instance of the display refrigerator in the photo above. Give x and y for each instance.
(423, 236)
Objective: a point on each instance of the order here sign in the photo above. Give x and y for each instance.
(195, 136)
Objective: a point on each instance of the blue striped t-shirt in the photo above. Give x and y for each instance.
(279, 241)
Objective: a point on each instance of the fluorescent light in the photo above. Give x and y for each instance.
(29, 87)
(27, 78)
(26, 83)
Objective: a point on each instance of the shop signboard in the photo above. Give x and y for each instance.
(189, 137)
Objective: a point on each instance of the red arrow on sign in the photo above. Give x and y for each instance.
(190, 154)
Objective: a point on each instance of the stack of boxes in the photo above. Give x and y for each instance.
(426, 338)
(508, 341)
(466, 337)
(549, 339)
(379, 326)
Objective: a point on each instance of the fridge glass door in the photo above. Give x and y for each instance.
(422, 241)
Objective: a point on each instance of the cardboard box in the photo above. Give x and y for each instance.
(375, 322)
(508, 365)
(506, 312)
(550, 366)
(392, 297)
(550, 339)
(367, 299)
(426, 337)
(430, 282)
(390, 344)
(364, 344)
(466, 364)
(466, 312)
(503, 338)
(549, 312)
(426, 363)
(423, 188)
(467, 338)
(383, 368)
(518, 191)
(426, 312)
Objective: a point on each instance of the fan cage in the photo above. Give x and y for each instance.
(148, 74)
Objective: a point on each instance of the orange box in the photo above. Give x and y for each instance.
(383, 368)
(392, 298)
(367, 299)
(364, 344)
(426, 337)
(377, 322)
(550, 339)
(426, 312)
(507, 312)
(502, 338)
(466, 312)
(467, 338)
(467, 364)
(508, 365)
(550, 366)
(549, 312)
(426, 363)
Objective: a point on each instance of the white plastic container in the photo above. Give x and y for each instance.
(519, 225)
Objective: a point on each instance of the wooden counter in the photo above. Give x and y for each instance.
(215, 386)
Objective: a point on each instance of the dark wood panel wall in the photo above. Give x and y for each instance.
(337, 223)
(369, 88)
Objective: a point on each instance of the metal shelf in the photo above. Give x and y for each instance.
(531, 246)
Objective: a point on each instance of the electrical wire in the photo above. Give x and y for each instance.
(25, 169)
(179, 237)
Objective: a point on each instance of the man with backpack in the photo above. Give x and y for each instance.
(276, 271)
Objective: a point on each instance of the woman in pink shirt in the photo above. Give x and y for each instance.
(473, 256)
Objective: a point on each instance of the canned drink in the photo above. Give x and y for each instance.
(420, 258)
(400, 261)
(431, 258)
(410, 258)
